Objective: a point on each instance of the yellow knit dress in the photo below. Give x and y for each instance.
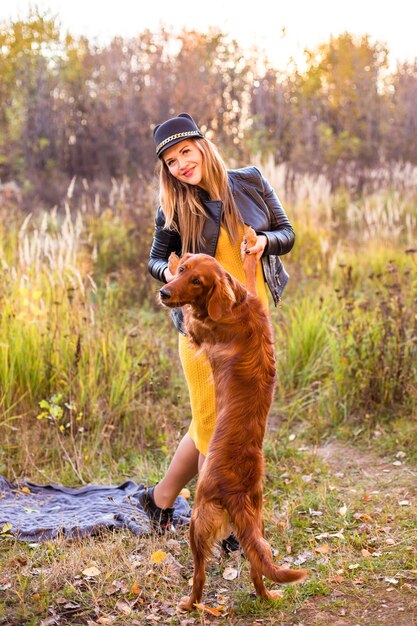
(197, 369)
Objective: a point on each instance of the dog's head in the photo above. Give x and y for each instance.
(200, 280)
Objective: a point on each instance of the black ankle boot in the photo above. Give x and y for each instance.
(230, 544)
(161, 519)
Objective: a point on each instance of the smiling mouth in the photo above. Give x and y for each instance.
(188, 172)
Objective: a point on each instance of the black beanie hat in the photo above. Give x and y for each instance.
(173, 131)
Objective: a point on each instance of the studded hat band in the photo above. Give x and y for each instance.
(189, 133)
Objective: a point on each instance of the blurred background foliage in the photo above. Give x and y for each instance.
(71, 108)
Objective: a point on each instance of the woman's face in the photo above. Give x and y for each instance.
(185, 162)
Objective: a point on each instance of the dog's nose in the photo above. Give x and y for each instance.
(164, 293)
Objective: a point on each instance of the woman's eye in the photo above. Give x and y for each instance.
(196, 281)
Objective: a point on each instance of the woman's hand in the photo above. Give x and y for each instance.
(168, 275)
(256, 249)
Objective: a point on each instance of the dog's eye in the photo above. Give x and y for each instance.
(196, 281)
(180, 269)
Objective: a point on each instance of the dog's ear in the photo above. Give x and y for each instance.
(173, 262)
(222, 299)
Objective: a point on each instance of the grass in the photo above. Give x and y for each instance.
(91, 391)
(338, 516)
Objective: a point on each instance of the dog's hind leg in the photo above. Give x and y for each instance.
(259, 584)
(208, 523)
(256, 576)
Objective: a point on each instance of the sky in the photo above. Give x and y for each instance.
(283, 29)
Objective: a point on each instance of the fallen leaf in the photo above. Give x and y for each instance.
(230, 573)
(324, 549)
(358, 581)
(392, 581)
(322, 536)
(343, 510)
(25, 489)
(159, 556)
(339, 535)
(367, 497)
(110, 590)
(50, 621)
(174, 545)
(123, 607)
(185, 493)
(288, 549)
(6, 528)
(365, 552)
(354, 566)
(71, 605)
(390, 542)
(363, 516)
(5, 584)
(91, 571)
(136, 589)
(404, 503)
(336, 579)
(117, 583)
(303, 557)
(216, 611)
(172, 567)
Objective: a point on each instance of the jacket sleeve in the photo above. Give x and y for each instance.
(164, 242)
(281, 234)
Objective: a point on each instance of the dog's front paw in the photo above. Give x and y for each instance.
(185, 604)
(250, 237)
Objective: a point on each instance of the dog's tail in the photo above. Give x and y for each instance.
(259, 552)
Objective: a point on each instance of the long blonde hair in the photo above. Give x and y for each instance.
(182, 206)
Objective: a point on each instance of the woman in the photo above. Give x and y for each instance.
(203, 209)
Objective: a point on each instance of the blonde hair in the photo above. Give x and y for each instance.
(182, 207)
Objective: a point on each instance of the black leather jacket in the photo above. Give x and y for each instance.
(259, 207)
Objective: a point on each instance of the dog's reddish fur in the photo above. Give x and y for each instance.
(234, 328)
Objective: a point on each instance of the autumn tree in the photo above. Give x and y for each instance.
(401, 122)
(27, 49)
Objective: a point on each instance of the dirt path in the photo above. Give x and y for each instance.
(389, 488)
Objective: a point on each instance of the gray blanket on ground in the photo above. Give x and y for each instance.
(32, 512)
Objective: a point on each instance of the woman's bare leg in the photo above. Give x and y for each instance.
(183, 467)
